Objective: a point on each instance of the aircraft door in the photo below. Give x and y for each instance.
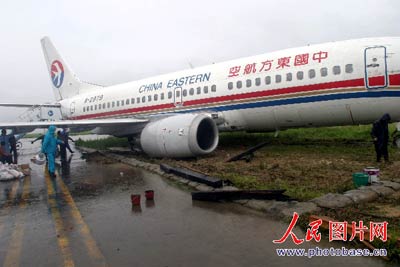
(375, 67)
(178, 97)
(72, 108)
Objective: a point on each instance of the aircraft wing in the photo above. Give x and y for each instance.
(74, 125)
(17, 105)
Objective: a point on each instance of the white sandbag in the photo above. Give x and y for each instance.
(9, 171)
(5, 176)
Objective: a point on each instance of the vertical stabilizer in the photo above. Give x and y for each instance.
(65, 83)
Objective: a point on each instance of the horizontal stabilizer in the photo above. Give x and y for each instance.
(17, 105)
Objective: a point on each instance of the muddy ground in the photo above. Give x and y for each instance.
(305, 171)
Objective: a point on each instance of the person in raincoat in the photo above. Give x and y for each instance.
(380, 136)
(49, 147)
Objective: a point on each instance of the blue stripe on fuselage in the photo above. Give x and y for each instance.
(295, 100)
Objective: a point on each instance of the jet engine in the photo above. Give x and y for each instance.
(180, 136)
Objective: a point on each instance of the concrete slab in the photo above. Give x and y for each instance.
(393, 185)
(269, 206)
(241, 201)
(361, 196)
(333, 201)
(193, 184)
(379, 189)
(231, 188)
(204, 188)
(184, 181)
(300, 208)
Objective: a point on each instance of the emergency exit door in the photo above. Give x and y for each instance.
(178, 97)
(375, 67)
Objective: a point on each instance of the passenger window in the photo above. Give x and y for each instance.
(95, 107)
(113, 104)
(289, 76)
(178, 93)
(149, 98)
(191, 91)
(117, 103)
(122, 102)
(248, 83)
(99, 106)
(84, 109)
(300, 75)
(239, 84)
(258, 81)
(143, 99)
(155, 97)
(349, 68)
(184, 92)
(137, 100)
(324, 72)
(198, 90)
(162, 96)
(91, 108)
(132, 101)
(104, 105)
(230, 85)
(108, 105)
(205, 89)
(268, 80)
(127, 102)
(278, 78)
(213, 88)
(311, 74)
(169, 94)
(336, 70)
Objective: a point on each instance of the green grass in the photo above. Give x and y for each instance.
(300, 136)
(102, 144)
(359, 133)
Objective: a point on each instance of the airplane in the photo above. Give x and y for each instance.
(181, 114)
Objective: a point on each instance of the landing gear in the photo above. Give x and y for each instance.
(134, 144)
(131, 142)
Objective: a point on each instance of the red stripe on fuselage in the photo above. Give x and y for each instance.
(394, 80)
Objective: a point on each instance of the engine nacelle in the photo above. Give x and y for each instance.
(180, 136)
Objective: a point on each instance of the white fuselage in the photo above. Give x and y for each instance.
(338, 83)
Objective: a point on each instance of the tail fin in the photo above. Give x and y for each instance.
(65, 83)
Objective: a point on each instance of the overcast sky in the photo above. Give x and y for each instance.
(109, 42)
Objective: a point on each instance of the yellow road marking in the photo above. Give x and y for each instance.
(62, 239)
(93, 249)
(14, 249)
(8, 204)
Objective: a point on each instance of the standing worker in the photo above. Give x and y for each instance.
(63, 150)
(6, 139)
(49, 147)
(13, 150)
(66, 140)
(380, 135)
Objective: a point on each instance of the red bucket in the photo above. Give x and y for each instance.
(149, 194)
(135, 199)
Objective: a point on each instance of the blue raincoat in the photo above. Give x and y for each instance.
(49, 147)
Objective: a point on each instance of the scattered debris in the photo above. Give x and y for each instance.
(248, 155)
(192, 175)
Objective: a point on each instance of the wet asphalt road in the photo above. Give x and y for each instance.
(85, 218)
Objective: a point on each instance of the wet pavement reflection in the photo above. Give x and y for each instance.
(85, 218)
